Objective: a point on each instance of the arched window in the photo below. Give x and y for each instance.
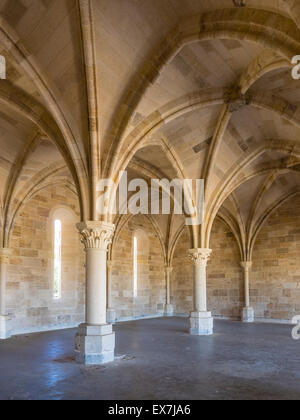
(66, 266)
(57, 259)
(140, 258)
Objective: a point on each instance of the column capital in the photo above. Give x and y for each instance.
(200, 255)
(96, 235)
(4, 255)
(169, 269)
(246, 265)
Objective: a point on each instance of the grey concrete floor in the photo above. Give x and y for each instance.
(157, 359)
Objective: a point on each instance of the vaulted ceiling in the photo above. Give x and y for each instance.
(177, 88)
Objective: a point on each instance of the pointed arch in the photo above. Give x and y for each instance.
(268, 29)
(42, 180)
(123, 220)
(266, 215)
(12, 43)
(175, 241)
(27, 106)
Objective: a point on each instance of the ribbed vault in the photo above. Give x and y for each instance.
(184, 89)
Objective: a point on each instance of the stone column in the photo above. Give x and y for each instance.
(248, 312)
(201, 321)
(4, 319)
(95, 340)
(111, 313)
(169, 311)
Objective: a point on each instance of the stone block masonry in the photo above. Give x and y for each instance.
(30, 301)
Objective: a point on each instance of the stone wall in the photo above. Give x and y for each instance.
(225, 291)
(182, 277)
(274, 280)
(30, 299)
(151, 294)
(225, 282)
(275, 277)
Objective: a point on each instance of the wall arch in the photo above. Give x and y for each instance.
(269, 29)
(232, 182)
(150, 300)
(70, 248)
(225, 282)
(13, 44)
(225, 291)
(30, 298)
(274, 282)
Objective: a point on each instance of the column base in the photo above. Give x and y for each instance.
(95, 344)
(169, 310)
(111, 316)
(5, 330)
(248, 315)
(201, 323)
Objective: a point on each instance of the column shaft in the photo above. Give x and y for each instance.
(248, 312)
(247, 291)
(111, 313)
(109, 285)
(4, 319)
(169, 308)
(201, 321)
(96, 286)
(200, 294)
(168, 274)
(2, 286)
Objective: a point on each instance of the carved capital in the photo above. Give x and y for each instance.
(4, 255)
(96, 235)
(200, 256)
(246, 265)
